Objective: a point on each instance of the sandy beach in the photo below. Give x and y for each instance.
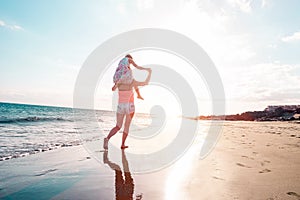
(252, 160)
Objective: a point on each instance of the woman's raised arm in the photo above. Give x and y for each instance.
(136, 66)
(146, 82)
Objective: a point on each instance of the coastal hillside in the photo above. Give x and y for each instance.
(271, 113)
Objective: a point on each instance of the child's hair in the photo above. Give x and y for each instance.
(128, 56)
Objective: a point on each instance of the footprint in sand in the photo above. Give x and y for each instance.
(215, 177)
(100, 151)
(139, 196)
(242, 165)
(86, 158)
(247, 157)
(294, 194)
(265, 171)
(264, 162)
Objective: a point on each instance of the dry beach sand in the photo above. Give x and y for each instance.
(252, 160)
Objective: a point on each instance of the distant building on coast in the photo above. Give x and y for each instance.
(271, 113)
(285, 107)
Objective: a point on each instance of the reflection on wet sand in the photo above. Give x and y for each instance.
(124, 185)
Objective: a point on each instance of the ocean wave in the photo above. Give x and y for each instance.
(34, 149)
(30, 119)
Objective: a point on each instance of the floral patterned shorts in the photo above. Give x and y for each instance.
(126, 108)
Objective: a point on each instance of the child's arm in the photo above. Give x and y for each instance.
(115, 86)
(135, 65)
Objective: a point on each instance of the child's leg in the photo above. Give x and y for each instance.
(138, 93)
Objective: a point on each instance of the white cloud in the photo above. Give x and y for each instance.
(10, 26)
(243, 5)
(273, 46)
(144, 4)
(292, 38)
(270, 82)
(16, 27)
(265, 3)
(121, 8)
(37, 96)
(2, 23)
(67, 66)
(212, 30)
(255, 86)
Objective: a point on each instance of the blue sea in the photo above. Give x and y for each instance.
(30, 129)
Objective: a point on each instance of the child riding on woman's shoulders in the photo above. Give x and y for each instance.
(123, 73)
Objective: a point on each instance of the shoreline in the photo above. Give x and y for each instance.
(37, 151)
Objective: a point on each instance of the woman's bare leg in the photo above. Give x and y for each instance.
(128, 119)
(120, 119)
(113, 131)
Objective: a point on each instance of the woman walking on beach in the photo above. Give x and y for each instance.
(125, 108)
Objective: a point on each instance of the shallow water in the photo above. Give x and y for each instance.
(29, 129)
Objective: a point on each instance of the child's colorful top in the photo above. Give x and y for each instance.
(123, 72)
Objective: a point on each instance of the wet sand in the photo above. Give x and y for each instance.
(250, 161)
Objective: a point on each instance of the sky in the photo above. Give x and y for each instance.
(254, 45)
